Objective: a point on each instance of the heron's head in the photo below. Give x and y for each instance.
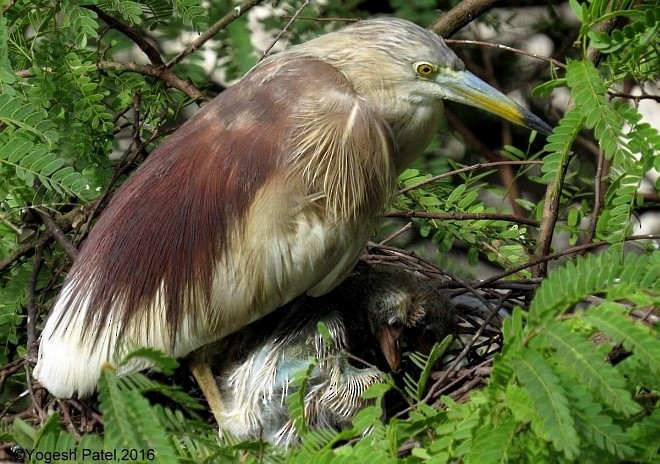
(402, 308)
(407, 64)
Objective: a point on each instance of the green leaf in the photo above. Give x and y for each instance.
(551, 403)
(587, 364)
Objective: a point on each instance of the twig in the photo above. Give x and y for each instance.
(635, 98)
(137, 118)
(462, 14)
(467, 169)
(235, 13)
(456, 361)
(284, 29)
(482, 43)
(12, 402)
(36, 399)
(598, 196)
(56, 232)
(560, 254)
(67, 418)
(161, 72)
(464, 216)
(22, 251)
(328, 19)
(8, 6)
(10, 369)
(396, 233)
(32, 311)
(158, 68)
(466, 388)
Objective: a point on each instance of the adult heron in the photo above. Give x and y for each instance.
(270, 191)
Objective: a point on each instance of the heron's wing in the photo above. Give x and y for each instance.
(236, 213)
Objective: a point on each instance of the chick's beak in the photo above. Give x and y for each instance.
(464, 87)
(390, 344)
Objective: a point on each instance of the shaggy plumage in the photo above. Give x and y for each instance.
(269, 192)
(370, 316)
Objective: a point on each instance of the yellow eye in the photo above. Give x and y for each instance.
(425, 69)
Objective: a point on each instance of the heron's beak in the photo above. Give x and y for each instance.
(390, 344)
(465, 87)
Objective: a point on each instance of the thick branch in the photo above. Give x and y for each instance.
(132, 33)
(462, 14)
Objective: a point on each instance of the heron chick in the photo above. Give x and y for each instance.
(370, 316)
(270, 191)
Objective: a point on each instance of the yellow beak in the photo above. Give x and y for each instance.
(465, 87)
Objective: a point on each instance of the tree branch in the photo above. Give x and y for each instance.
(132, 33)
(467, 169)
(161, 72)
(235, 13)
(481, 43)
(462, 14)
(464, 216)
(32, 311)
(158, 67)
(56, 232)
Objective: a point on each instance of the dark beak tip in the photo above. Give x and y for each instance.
(539, 125)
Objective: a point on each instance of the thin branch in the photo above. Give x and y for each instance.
(598, 196)
(235, 13)
(396, 233)
(65, 222)
(320, 20)
(56, 232)
(560, 254)
(481, 43)
(32, 311)
(7, 371)
(462, 14)
(635, 98)
(162, 72)
(464, 216)
(158, 67)
(22, 251)
(473, 167)
(284, 29)
(132, 33)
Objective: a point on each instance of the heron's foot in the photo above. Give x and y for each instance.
(201, 370)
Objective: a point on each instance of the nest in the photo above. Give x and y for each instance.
(466, 365)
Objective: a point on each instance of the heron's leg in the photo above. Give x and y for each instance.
(201, 370)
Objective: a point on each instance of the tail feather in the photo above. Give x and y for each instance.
(72, 352)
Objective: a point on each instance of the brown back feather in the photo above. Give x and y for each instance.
(176, 215)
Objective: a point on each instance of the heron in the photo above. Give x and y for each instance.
(269, 192)
(370, 316)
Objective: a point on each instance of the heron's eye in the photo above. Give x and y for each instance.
(425, 69)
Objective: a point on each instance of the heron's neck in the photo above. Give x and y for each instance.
(413, 126)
